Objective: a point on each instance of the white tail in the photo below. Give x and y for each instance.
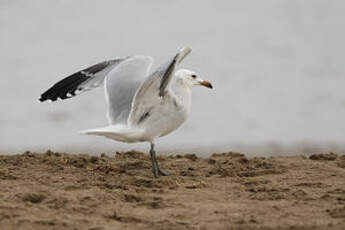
(116, 132)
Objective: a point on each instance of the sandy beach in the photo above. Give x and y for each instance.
(277, 103)
(56, 190)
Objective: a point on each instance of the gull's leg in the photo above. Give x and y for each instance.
(153, 160)
(155, 166)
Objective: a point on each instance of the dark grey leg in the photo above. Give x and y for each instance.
(156, 170)
(154, 162)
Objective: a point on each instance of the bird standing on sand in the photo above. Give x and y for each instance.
(141, 106)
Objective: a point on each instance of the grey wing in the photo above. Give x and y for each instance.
(121, 85)
(165, 72)
(154, 87)
(84, 80)
(122, 78)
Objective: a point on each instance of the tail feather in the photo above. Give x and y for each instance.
(116, 132)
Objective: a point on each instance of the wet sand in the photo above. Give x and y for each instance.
(225, 191)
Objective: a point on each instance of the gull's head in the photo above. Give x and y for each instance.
(190, 78)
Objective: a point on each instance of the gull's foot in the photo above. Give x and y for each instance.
(155, 172)
(163, 172)
(159, 172)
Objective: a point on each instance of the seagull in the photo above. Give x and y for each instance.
(142, 106)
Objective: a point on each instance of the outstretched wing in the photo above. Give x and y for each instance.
(121, 84)
(165, 72)
(154, 88)
(80, 81)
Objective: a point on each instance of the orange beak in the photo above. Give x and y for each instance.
(206, 84)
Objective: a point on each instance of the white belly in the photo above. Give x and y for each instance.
(158, 127)
(163, 120)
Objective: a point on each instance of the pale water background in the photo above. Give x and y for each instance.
(277, 68)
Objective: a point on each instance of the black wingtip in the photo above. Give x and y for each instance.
(44, 98)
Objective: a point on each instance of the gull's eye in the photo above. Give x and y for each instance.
(193, 76)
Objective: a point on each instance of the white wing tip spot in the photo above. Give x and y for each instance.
(87, 74)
